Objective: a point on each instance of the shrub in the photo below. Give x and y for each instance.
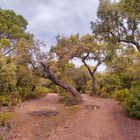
(30, 95)
(121, 95)
(9, 100)
(130, 101)
(135, 88)
(4, 118)
(132, 106)
(69, 101)
(27, 94)
(111, 82)
(104, 95)
(61, 91)
(41, 91)
(4, 100)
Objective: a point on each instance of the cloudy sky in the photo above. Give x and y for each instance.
(48, 18)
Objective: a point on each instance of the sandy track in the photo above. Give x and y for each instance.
(74, 123)
(91, 124)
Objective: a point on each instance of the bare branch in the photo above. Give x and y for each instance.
(131, 42)
(95, 68)
(88, 68)
(9, 51)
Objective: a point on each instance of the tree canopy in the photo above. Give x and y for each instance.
(115, 25)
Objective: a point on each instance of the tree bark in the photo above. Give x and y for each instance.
(136, 44)
(94, 85)
(48, 74)
(92, 72)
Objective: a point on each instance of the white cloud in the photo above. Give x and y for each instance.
(47, 18)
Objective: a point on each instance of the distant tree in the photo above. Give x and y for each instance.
(78, 77)
(12, 28)
(85, 48)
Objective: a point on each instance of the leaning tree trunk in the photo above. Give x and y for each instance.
(48, 74)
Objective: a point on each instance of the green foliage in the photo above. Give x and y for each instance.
(111, 82)
(26, 93)
(4, 118)
(4, 101)
(135, 88)
(115, 25)
(7, 76)
(41, 91)
(131, 7)
(132, 106)
(69, 101)
(61, 91)
(16, 77)
(78, 77)
(104, 95)
(31, 95)
(12, 26)
(8, 100)
(121, 95)
(130, 101)
(85, 48)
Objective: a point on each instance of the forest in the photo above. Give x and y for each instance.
(28, 72)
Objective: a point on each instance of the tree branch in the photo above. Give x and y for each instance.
(95, 68)
(84, 62)
(9, 51)
(131, 42)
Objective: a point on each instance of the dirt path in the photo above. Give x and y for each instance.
(73, 123)
(91, 124)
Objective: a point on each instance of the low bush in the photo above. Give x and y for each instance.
(135, 88)
(4, 118)
(69, 101)
(29, 96)
(37, 93)
(121, 95)
(41, 91)
(132, 106)
(130, 101)
(9, 100)
(4, 100)
(104, 95)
